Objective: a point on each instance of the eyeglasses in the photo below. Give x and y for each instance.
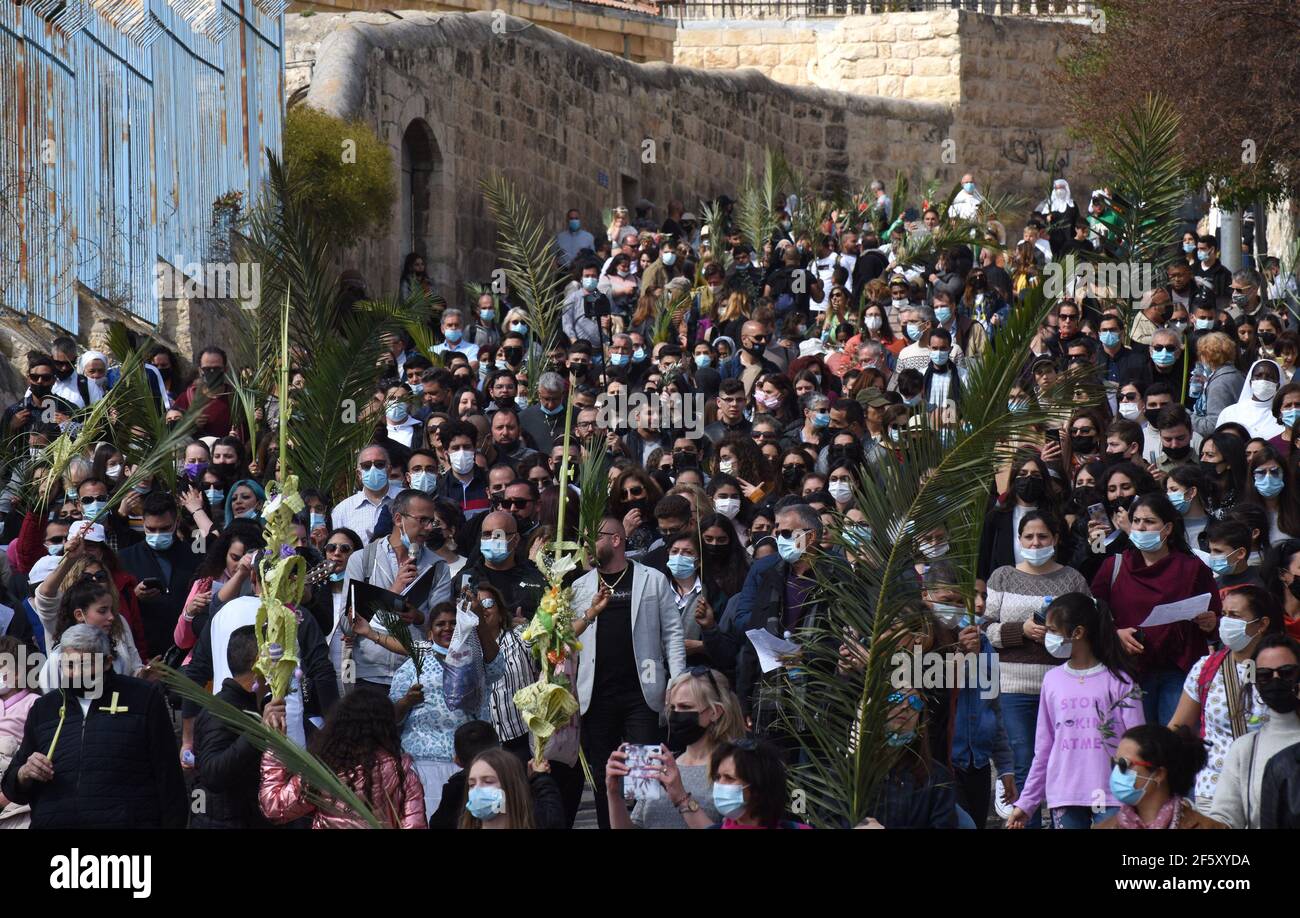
(637, 491)
(345, 547)
(1124, 764)
(424, 522)
(1268, 473)
(516, 503)
(765, 435)
(380, 464)
(609, 535)
(1288, 673)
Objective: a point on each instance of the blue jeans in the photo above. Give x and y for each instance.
(1020, 717)
(1079, 817)
(1161, 692)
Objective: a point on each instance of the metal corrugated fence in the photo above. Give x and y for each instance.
(112, 151)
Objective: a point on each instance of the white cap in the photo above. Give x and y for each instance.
(42, 568)
(94, 532)
(811, 346)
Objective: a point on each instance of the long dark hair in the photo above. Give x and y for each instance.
(362, 726)
(729, 575)
(82, 594)
(760, 766)
(1072, 610)
(1232, 451)
(1288, 510)
(1180, 752)
(214, 562)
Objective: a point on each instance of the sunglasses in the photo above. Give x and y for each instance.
(915, 702)
(515, 503)
(1288, 673)
(705, 672)
(634, 492)
(97, 577)
(87, 500)
(787, 533)
(345, 547)
(380, 464)
(1124, 764)
(41, 377)
(1268, 473)
(1163, 349)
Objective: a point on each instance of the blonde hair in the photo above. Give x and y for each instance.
(701, 503)
(514, 784)
(1216, 348)
(728, 726)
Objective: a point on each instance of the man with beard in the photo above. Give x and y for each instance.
(543, 423)
(506, 437)
(626, 660)
(41, 377)
(70, 385)
(215, 418)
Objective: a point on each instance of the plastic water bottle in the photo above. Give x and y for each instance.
(188, 757)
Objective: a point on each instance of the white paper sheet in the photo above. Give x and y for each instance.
(1182, 611)
(770, 648)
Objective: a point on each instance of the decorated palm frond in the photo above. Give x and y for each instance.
(1147, 183)
(528, 259)
(321, 786)
(941, 480)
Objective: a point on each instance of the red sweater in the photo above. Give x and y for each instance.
(1140, 587)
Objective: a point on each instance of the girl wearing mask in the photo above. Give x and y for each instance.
(703, 714)
(795, 466)
(876, 327)
(1091, 697)
(500, 795)
(729, 502)
(230, 458)
(774, 395)
(690, 590)
(1218, 703)
(244, 502)
(1277, 680)
(1152, 778)
(632, 499)
(1184, 488)
(740, 457)
(918, 793)
(1015, 625)
(219, 566)
(1156, 569)
(1083, 440)
(1102, 538)
(840, 483)
(1223, 459)
(1269, 486)
(360, 743)
(1254, 407)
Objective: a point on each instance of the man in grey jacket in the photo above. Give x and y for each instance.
(632, 646)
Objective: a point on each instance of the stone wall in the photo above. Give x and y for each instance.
(572, 126)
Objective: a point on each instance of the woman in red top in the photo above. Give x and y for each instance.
(1158, 569)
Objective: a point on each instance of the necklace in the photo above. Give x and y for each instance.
(617, 580)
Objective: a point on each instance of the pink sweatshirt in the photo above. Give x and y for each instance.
(400, 796)
(1081, 717)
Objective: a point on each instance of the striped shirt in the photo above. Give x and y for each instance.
(519, 673)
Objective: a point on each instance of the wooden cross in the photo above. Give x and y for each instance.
(113, 708)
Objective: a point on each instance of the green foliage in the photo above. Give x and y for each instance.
(349, 171)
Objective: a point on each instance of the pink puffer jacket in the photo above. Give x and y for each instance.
(399, 800)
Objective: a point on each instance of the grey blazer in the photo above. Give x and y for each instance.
(656, 634)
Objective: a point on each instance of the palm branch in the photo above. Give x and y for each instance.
(321, 786)
(759, 199)
(593, 484)
(713, 219)
(528, 258)
(416, 650)
(56, 456)
(843, 717)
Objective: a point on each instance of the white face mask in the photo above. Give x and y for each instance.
(726, 466)
(727, 506)
(462, 460)
(933, 550)
(1129, 410)
(1263, 389)
(1057, 646)
(113, 471)
(840, 490)
(874, 323)
(1232, 631)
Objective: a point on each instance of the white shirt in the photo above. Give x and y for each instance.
(403, 433)
(360, 514)
(235, 614)
(461, 347)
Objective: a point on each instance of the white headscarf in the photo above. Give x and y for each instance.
(1252, 414)
(1053, 205)
(97, 387)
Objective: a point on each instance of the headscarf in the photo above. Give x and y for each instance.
(1252, 414)
(98, 388)
(1051, 205)
(230, 496)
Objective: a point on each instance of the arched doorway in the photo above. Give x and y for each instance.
(421, 174)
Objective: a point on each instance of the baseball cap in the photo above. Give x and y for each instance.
(93, 532)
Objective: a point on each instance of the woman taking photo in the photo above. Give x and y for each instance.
(703, 714)
(1155, 768)
(1157, 569)
(360, 744)
(1217, 702)
(1014, 624)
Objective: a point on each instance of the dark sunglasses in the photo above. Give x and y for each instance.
(41, 377)
(1124, 764)
(345, 547)
(705, 672)
(787, 533)
(97, 577)
(914, 701)
(377, 463)
(1288, 673)
(634, 492)
(515, 503)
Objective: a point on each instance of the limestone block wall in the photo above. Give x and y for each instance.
(572, 126)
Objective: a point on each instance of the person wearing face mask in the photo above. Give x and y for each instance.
(749, 786)
(1269, 485)
(1238, 795)
(1222, 384)
(703, 714)
(1286, 411)
(573, 239)
(585, 305)
(969, 335)
(1154, 772)
(1254, 407)
(749, 363)
(1158, 568)
(967, 202)
(466, 482)
(1070, 765)
(399, 426)
(216, 417)
(1014, 624)
(1212, 271)
(164, 566)
(41, 377)
(499, 562)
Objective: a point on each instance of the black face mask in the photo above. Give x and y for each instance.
(1294, 587)
(1210, 468)
(212, 375)
(435, 540)
(39, 390)
(716, 554)
(757, 348)
(1083, 444)
(1151, 414)
(512, 355)
(1030, 490)
(1278, 694)
(791, 474)
(1267, 337)
(1119, 503)
(1108, 459)
(1178, 452)
(684, 728)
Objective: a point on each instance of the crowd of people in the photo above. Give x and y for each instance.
(811, 356)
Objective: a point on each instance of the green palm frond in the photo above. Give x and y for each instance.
(759, 199)
(321, 786)
(56, 456)
(942, 480)
(669, 314)
(593, 482)
(713, 219)
(416, 650)
(1147, 182)
(528, 258)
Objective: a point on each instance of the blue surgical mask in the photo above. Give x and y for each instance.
(939, 358)
(70, 494)
(618, 360)
(942, 314)
(1220, 564)
(495, 550)
(250, 514)
(397, 413)
(1057, 646)
(638, 356)
(337, 577)
(1109, 338)
(54, 550)
(703, 360)
(669, 258)
(589, 283)
(160, 541)
(453, 335)
(681, 566)
(1290, 416)
(968, 187)
(575, 225)
(1204, 324)
(1017, 406)
(406, 540)
(1180, 500)
(551, 412)
(1163, 358)
(485, 802)
(519, 328)
(821, 420)
(729, 799)
(788, 549)
(1146, 540)
(424, 481)
(1267, 485)
(215, 496)
(521, 401)
(374, 478)
(1124, 786)
(486, 315)
(1039, 556)
(417, 388)
(914, 330)
(94, 510)
(898, 739)
(1189, 247)
(1202, 256)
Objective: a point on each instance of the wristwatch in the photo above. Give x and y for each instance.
(688, 805)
